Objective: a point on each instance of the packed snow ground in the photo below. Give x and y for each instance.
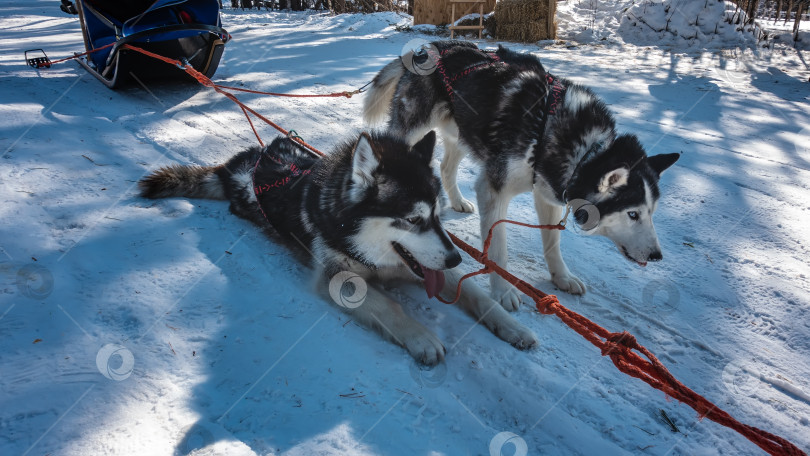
(137, 327)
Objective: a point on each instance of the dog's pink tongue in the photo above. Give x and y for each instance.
(434, 281)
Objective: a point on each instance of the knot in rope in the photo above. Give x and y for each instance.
(617, 343)
(544, 304)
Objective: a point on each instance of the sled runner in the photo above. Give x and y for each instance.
(187, 30)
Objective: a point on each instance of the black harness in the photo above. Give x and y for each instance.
(555, 95)
(489, 59)
(285, 176)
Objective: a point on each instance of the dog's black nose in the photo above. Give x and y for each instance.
(655, 256)
(452, 260)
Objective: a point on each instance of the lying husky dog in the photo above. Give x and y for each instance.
(533, 132)
(368, 212)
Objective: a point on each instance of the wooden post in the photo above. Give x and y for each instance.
(479, 27)
(452, 19)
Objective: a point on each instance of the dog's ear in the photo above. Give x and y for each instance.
(613, 180)
(424, 148)
(659, 163)
(365, 161)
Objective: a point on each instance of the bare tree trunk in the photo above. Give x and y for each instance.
(789, 9)
(799, 12)
(752, 10)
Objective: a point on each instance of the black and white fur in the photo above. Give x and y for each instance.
(496, 114)
(371, 208)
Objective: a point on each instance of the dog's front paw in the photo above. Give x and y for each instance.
(569, 283)
(507, 295)
(425, 347)
(504, 326)
(516, 334)
(463, 205)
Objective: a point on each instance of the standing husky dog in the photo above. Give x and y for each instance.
(366, 212)
(532, 132)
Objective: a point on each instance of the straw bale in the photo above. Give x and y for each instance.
(519, 11)
(525, 20)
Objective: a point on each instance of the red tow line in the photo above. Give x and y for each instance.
(623, 349)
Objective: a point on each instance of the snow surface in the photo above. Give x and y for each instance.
(137, 327)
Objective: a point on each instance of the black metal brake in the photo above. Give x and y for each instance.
(38, 62)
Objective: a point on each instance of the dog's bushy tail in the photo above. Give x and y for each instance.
(378, 98)
(187, 181)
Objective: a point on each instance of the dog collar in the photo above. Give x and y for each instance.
(576, 204)
(596, 147)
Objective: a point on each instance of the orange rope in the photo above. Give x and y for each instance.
(483, 258)
(620, 348)
(294, 95)
(204, 80)
(75, 56)
(345, 93)
(252, 127)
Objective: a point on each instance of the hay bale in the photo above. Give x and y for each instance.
(513, 11)
(526, 20)
(528, 32)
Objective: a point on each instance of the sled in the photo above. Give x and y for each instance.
(186, 30)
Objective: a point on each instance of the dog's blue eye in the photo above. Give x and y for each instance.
(413, 220)
(633, 215)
